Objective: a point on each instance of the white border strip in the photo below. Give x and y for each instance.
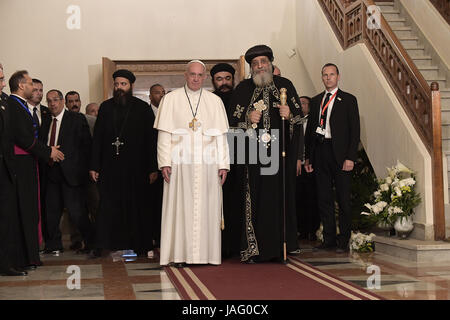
(347, 286)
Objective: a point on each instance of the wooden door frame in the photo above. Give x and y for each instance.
(162, 67)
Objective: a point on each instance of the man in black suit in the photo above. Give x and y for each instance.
(10, 233)
(41, 116)
(65, 181)
(332, 138)
(27, 150)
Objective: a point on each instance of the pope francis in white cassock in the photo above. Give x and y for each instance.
(194, 160)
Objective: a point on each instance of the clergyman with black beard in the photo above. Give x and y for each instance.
(222, 77)
(124, 166)
(262, 239)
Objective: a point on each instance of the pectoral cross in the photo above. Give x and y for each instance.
(117, 144)
(259, 106)
(194, 124)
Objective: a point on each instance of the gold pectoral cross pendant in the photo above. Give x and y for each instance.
(194, 124)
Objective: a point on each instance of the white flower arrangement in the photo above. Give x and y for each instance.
(396, 196)
(360, 242)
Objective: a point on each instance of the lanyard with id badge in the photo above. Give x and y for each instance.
(320, 131)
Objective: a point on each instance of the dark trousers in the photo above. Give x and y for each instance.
(329, 174)
(60, 195)
(11, 235)
(308, 219)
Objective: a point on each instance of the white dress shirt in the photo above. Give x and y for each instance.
(38, 111)
(58, 127)
(330, 107)
(155, 109)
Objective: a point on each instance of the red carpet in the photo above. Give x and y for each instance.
(233, 280)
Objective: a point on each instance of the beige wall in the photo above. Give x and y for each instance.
(140, 30)
(386, 132)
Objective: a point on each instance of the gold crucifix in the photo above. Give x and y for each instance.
(259, 106)
(194, 124)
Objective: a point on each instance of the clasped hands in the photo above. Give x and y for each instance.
(255, 115)
(56, 155)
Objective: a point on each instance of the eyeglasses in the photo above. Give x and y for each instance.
(256, 62)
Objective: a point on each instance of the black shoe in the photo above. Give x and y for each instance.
(31, 267)
(250, 261)
(54, 252)
(76, 246)
(324, 247)
(179, 265)
(11, 272)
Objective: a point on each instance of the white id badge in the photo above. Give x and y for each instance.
(320, 131)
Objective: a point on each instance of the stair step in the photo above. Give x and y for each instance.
(396, 19)
(445, 103)
(445, 93)
(416, 52)
(391, 15)
(411, 44)
(446, 144)
(423, 61)
(402, 28)
(430, 73)
(405, 35)
(399, 23)
(445, 119)
(385, 5)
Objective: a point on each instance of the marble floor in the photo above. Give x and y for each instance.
(115, 278)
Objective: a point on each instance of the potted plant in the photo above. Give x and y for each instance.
(394, 200)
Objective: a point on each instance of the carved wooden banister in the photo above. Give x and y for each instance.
(359, 21)
(443, 6)
(349, 20)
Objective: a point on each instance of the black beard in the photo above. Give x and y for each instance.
(121, 97)
(224, 86)
(225, 96)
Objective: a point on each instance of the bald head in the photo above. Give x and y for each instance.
(195, 75)
(92, 109)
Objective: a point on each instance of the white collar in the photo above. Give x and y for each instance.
(191, 92)
(13, 94)
(30, 106)
(59, 116)
(333, 91)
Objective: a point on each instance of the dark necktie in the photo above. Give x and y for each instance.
(53, 137)
(35, 116)
(323, 117)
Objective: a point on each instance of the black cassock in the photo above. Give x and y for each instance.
(125, 214)
(233, 189)
(262, 237)
(11, 236)
(27, 150)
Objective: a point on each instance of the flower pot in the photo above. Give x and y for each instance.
(385, 226)
(404, 226)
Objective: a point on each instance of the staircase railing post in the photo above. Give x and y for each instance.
(437, 165)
